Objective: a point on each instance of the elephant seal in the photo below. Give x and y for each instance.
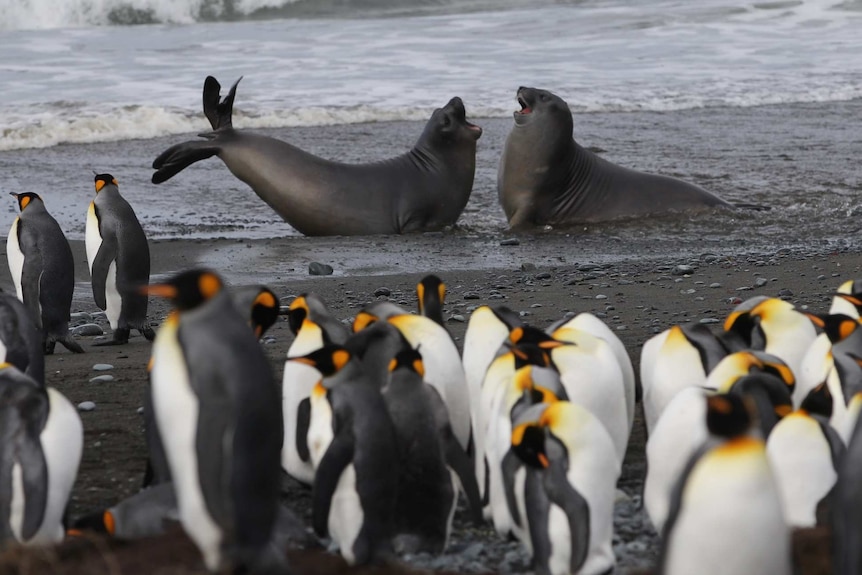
(424, 189)
(546, 177)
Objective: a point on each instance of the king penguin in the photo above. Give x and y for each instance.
(432, 463)
(352, 444)
(119, 260)
(39, 457)
(260, 304)
(20, 339)
(569, 489)
(218, 413)
(728, 492)
(431, 293)
(42, 268)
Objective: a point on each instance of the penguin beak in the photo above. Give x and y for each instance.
(159, 290)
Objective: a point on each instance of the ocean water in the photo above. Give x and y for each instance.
(660, 85)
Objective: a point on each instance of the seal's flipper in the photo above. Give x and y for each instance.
(177, 158)
(218, 112)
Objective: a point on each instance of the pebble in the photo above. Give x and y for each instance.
(102, 367)
(760, 282)
(81, 316)
(682, 269)
(87, 329)
(510, 242)
(471, 295)
(715, 285)
(543, 276)
(528, 267)
(601, 296)
(86, 406)
(102, 378)
(457, 317)
(707, 320)
(319, 269)
(785, 293)
(382, 291)
(140, 411)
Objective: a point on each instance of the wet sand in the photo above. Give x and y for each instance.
(543, 277)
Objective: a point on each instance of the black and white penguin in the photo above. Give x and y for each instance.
(569, 489)
(119, 259)
(20, 339)
(218, 414)
(314, 327)
(431, 293)
(42, 268)
(847, 508)
(729, 492)
(432, 463)
(677, 358)
(805, 453)
(39, 456)
(351, 441)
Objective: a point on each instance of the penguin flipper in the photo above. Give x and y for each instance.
(31, 280)
(338, 456)
(33, 414)
(104, 257)
(561, 493)
(463, 467)
(510, 465)
(303, 421)
(676, 504)
(180, 156)
(210, 444)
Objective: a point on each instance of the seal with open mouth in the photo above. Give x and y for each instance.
(424, 189)
(546, 177)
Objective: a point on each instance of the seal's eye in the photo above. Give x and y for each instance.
(446, 121)
(544, 97)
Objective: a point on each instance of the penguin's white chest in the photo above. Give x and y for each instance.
(92, 237)
(802, 460)
(177, 408)
(345, 514)
(730, 519)
(297, 383)
(15, 257)
(320, 433)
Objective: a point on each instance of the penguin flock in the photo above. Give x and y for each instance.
(753, 428)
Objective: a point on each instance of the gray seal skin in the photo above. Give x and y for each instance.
(424, 189)
(546, 177)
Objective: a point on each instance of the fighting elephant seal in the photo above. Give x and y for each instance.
(424, 189)
(546, 177)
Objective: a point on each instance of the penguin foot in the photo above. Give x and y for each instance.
(148, 333)
(121, 337)
(69, 344)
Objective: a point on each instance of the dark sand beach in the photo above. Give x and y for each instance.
(543, 277)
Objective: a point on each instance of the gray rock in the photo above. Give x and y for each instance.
(528, 267)
(760, 282)
(87, 329)
(102, 379)
(319, 269)
(381, 291)
(86, 406)
(102, 367)
(510, 242)
(682, 269)
(457, 317)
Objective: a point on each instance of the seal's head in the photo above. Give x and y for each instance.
(537, 104)
(449, 125)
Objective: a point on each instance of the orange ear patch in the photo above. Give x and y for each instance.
(340, 358)
(209, 285)
(99, 185)
(265, 299)
(108, 520)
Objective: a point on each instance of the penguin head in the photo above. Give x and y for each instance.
(264, 311)
(409, 359)
(297, 312)
(728, 415)
(837, 327)
(328, 360)
(539, 384)
(740, 364)
(189, 289)
(98, 522)
(102, 180)
(818, 401)
(525, 335)
(25, 199)
(533, 438)
(431, 292)
(379, 310)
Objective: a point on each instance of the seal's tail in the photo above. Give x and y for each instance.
(180, 156)
(217, 111)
